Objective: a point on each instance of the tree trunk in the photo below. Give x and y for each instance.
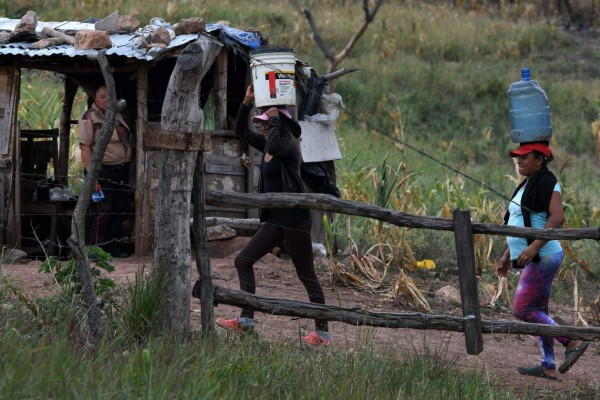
(181, 113)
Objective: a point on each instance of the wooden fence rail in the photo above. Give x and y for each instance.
(413, 320)
(327, 202)
(470, 323)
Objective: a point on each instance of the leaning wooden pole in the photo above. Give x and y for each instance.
(181, 113)
(77, 239)
(415, 320)
(467, 277)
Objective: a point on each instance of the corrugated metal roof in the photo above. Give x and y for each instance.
(123, 44)
(7, 24)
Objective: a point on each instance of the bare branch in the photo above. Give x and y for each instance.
(315, 31)
(333, 75)
(369, 15)
(351, 43)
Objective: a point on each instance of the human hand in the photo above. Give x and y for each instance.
(272, 112)
(503, 266)
(249, 97)
(527, 255)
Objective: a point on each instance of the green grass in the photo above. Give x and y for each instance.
(56, 366)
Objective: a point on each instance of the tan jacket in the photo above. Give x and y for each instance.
(89, 126)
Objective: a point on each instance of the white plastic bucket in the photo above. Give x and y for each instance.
(273, 75)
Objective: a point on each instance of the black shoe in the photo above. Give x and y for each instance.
(571, 357)
(537, 371)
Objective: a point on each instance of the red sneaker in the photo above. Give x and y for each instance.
(235, 325)
(316, 339)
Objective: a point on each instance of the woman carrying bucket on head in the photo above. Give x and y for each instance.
(279, 172)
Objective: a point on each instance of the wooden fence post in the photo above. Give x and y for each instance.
(202, 259)
(181, 121)
(465, 256)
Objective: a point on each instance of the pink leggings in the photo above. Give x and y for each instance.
(532, 297)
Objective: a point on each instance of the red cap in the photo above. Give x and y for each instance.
(527, 148)
(264, 117)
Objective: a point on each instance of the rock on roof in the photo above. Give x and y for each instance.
(138, 44)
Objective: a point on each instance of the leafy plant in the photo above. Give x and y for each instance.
(67, 274)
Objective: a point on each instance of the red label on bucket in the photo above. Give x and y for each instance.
(272, 87)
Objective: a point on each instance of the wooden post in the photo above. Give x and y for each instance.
(62, 164)
(10, 154)
(202, 259)
(180, 113)
(465, 255)
(220, 90)
(142, 207)
(17, 200)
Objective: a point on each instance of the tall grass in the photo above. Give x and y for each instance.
(54, 366)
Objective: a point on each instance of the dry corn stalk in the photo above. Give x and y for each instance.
(369, 266)
(501, 291)
(596, 133)
(594, 310)
(412, 261)
(372, 268)
(579, 306)
(482, 245)
(339, 276)
(579, 312)
(583, 264)
(406, 292)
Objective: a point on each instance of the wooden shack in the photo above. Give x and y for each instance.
(142, 74)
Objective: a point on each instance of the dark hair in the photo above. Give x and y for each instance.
(97, 87)
(545, 158)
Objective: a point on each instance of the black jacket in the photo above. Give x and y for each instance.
(536, 197)
(283, 143)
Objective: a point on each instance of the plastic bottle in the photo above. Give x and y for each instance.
(529, 110)
(97, 195)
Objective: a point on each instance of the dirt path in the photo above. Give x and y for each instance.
(276, 278)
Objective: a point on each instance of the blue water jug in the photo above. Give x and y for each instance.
(529, 110)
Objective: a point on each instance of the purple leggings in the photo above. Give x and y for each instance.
(532, 297)
(299, 245)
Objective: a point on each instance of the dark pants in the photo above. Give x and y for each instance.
(300, 247)
(107, 215)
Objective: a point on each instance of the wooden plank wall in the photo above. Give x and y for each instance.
(10, 83)
(225, 171)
